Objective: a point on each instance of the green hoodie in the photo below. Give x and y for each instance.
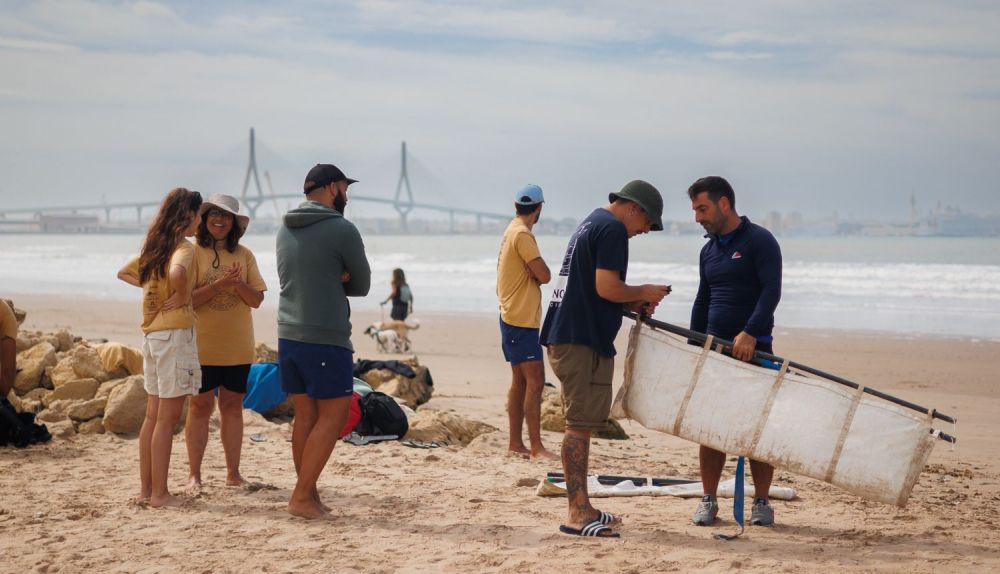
(314, 247)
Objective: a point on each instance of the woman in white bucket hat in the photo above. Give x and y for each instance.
(229, 284)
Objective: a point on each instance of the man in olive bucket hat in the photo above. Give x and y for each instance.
(579, 331)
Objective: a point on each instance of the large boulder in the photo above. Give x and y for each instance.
(126, 406)
(106, 387)
(86, 410)
(80, 389)
(31, 364)
(93, 426)
(81, 362)
(61, 429)
(51, 416)
(552, 411)
(410, 391)
(442, 426)
(26, 341)
(62, 340)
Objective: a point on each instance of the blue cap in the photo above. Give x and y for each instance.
(530, 194)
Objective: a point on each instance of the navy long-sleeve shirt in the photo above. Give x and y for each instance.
(740, 284)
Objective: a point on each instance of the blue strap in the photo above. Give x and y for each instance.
(738, 494)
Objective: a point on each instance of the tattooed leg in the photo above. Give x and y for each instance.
(575, 455)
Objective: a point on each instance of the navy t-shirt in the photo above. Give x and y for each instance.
(577, 314)
(740, 284)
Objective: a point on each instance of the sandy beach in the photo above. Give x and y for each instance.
(66, 506)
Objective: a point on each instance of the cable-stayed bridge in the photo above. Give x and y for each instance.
(88, 217)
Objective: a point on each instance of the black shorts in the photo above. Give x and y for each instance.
(232, 377)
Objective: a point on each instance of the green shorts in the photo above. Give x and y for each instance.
(586, 384)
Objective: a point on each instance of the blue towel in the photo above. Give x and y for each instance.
(263, 388)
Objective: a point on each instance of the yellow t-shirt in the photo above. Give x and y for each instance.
(225, 328)
(8, 322)
(519, 293)
(156, 291)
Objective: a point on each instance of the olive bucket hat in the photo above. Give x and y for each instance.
(645, 196)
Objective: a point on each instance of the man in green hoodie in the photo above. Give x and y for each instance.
(321, 262)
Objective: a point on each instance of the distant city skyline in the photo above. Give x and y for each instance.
(810, 107)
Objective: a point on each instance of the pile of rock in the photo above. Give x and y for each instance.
(411, 392)
(72, 388)
(445, 427)
(78, 386)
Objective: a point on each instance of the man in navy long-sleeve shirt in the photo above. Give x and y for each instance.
(740, 286)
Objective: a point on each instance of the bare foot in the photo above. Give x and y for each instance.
(520, 452)
(309, 510)
(236, 480)
(168, 501)
(194, 484)
(544, 455)
(315, 496)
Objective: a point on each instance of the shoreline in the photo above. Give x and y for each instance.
(369, 315)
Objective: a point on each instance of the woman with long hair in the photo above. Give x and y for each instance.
(165, 270)
(400, 295)
(229, 284)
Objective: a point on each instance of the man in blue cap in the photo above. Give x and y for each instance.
(520, 273)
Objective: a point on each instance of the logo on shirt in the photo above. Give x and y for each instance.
(560, 289)
(737, 255)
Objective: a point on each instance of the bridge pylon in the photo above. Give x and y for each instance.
(403, 208)
(253, 202)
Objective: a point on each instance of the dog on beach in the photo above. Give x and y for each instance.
(392, 336)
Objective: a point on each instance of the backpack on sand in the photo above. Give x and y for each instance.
(381, 415)
(20, 429)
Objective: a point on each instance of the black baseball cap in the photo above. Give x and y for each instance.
(322, 175)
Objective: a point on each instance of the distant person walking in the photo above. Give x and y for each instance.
(520, 273)
(740, 269)
(166, 270)
(584, 317)
(400, 295)
(228, 286)
(321, 262)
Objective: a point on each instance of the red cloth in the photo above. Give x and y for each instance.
(353, 415)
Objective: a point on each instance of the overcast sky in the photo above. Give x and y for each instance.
(811, 106)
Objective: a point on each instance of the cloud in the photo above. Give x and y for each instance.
(579, 97)
(34, 45)
(731, 56)
(532, 23)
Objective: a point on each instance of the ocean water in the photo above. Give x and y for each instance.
(916, 286)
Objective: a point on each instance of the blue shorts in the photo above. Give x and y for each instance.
(319, 371)
(520, 344)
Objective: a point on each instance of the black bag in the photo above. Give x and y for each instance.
(381, 415)
(20, 429)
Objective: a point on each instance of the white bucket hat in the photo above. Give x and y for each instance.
(229, 204)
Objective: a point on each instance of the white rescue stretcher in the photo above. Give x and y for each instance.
(858, 439)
